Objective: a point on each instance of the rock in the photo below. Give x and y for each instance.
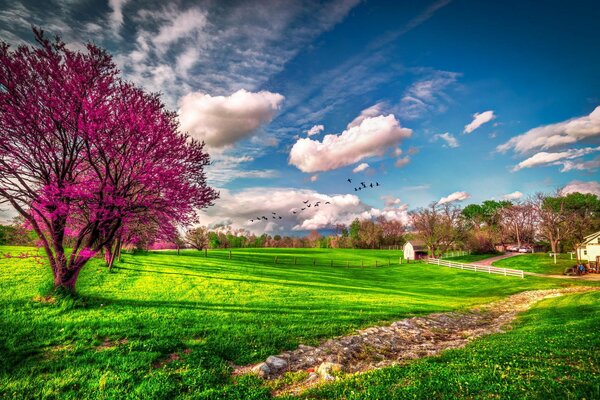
(261, 370)
(326, 368)
(276, 363)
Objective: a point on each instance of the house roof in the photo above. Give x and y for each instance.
(417, 244)
(588, 239)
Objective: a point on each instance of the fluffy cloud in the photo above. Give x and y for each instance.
(235, 209)
(315, 130)
(456, 196)
(478, 120)
(450, 140)
(370, 112)
(223, 120)
(592, 187)
(512, 196)
(554, 135)
(369, 138)
(314, 178)
(360, 167)
(544, 158)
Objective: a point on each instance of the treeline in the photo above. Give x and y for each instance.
(365, 234)
(544, 222)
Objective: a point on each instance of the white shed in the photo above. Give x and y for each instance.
(590, 248)
(414, 250)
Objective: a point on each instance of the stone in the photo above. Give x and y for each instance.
(326, 368)
(276, 363)
(261, 370)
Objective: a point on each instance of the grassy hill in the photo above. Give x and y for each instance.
(164, 326)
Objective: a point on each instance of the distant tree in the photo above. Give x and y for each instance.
(518, 222)
(197, 238)
(370, 234)
(83, 153)
(438, 226)
(392, 231)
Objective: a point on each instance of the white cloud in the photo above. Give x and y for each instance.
(223, 120)
(592, 187)
(589, 166)
(370, 112)
(390, 201)
(512, 196)
(361, 167)
(315, 130)
(544, 158)
(116, 15)
(314, 178)
(450, 140)
(401, 162)
(478, 120)
(235, 209)
(456, 196)
(225, 168)
(370, 138)
(554, 135)
(427, 95)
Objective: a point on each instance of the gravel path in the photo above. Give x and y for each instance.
(403, 340)
(489, 261)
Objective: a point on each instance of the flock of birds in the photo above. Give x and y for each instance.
(307, 204)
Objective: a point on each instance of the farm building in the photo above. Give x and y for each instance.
(415, 250)
(590, 248)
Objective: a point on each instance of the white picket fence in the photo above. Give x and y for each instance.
(476, 268)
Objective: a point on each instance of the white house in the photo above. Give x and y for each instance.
(590, 248)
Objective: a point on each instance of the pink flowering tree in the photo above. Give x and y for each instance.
(84, 155)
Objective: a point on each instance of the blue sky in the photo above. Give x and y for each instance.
(252, 78)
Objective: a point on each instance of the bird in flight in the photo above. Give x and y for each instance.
(293, 212)
(305, 201)
(304, 208)
(355, 189)
(349, 180)
(308, 205)
(376, 183)
(371, 184)
(327, 202)
(280, 217)
(251, 220)
(364, 185)
(265, 218)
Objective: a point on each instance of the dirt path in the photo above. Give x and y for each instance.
(403, 340)
(489, 261)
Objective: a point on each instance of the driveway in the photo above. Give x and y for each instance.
(489, 261)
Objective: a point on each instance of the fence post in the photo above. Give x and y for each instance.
(332, 263)
(295, 259)
(314, 262)
(400, 260)
(375, 263)
(389, 262)
(205, 253)
(504, 271)
(489, 270)
(438, 260)
(275, 259)
(347, 264)
(230, 254)
(362, 263)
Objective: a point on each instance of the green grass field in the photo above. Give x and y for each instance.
(553, 352)
(540, 263)
(165, 326)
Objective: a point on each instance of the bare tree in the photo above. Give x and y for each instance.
(439, 226)
(197, 238)
(518, 222)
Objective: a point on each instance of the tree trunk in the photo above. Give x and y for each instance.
(108, 254)
(66, 278)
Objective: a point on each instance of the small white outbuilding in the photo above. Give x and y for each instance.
(414, 250)
(590, 248)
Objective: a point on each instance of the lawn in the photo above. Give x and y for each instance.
(165, 326)
(553, 352)
(471, 258)
(539, 263)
